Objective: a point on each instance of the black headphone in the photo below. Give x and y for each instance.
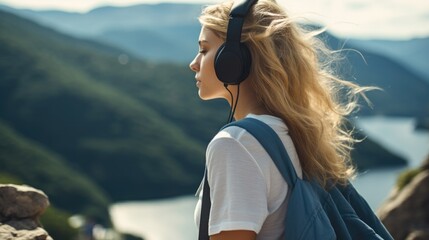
(233, 59)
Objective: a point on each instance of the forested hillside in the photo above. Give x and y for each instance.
(23, 161)
(75, 98)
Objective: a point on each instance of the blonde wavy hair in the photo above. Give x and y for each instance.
(293, 74)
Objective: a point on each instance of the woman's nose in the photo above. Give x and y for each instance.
(194, 66)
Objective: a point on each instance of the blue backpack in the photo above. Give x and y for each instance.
(312, 212)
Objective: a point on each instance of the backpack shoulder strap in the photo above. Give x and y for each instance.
(203, 233)
(271, 142)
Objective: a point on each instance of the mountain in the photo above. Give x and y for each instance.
(175, 43)
(169, 32)
(402, 91)
(134, 128)
(413, 53)
(103, 19)
(162, 32)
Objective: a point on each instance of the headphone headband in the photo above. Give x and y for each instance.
(241, 8)
(233, 58)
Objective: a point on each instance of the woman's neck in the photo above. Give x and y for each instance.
(247, 102)
(242, 113)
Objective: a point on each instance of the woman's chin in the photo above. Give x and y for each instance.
(202, 97)
(205, 96)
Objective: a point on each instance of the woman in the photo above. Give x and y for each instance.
(291, 88)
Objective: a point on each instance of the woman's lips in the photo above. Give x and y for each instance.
(198, 83)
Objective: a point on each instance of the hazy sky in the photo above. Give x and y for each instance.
(348, 18)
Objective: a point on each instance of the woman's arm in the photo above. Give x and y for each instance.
(234, 235)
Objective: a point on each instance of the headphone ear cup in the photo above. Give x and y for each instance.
(232, 63)
(228, 64)
(246, 58)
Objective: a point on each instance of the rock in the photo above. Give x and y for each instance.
(406, 214)
(20, 209)
(8, 232)
(21, 201)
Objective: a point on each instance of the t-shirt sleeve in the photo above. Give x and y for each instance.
(238, 189)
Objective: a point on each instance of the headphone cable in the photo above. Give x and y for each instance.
(232, 102)
(236, 102)
(233, 105)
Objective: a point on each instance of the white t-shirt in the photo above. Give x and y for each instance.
(246, 189)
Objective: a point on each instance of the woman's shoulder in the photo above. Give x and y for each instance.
(237, 135)
(230, 137)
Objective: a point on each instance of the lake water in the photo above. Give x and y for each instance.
(173, 218)
(399, 137)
